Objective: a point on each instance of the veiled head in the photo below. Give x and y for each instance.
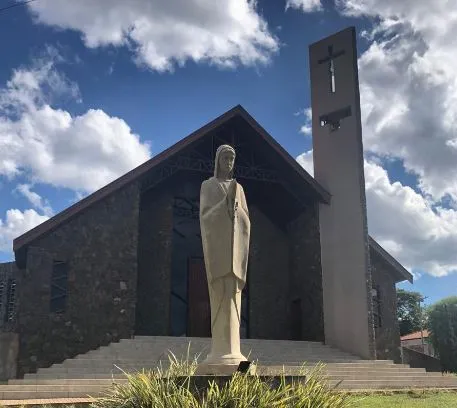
(224, 162)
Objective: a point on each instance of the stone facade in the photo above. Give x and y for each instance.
(268, 279)
(306, 277)
(388, 333)
(9, 345)
(154, 262)
(99, 247)
(8, 296)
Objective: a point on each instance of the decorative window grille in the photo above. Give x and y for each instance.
(3, 301)
(11, 302)
(377, 316)
(59, 279)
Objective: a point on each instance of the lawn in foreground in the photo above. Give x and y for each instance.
(428, 400)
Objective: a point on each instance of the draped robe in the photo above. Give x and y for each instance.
(226, 250)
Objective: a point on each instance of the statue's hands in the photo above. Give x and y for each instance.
(231, 194)
(232, 191)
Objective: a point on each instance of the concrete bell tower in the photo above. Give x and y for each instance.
(338, 167)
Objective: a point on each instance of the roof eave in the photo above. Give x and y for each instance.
(29, 236)
(402, 274)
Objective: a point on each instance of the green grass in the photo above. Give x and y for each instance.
(407, 400)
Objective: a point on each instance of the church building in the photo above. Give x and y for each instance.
(127, 260)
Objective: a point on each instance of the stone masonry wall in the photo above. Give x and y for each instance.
(8, 296)
(306, 273)
(154, 262)
(99, 246)
(268, 279)
(388, 335)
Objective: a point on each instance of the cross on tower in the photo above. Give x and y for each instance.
(331, 67)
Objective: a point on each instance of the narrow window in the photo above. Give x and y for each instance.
(2, 301)
(59, 287)
(11, 301)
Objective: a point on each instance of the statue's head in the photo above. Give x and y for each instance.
(224, 162)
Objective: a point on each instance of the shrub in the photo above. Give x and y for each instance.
(172, 388)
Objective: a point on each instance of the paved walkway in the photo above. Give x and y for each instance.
(67, 401)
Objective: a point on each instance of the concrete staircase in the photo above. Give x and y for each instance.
(93, 372)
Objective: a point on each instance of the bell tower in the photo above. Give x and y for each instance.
(338, 167)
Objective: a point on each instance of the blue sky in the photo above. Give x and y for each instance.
(87, 93)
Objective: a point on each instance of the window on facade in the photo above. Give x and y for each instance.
(59, 287)
(377, 317)
(3, 301)
(11, 301)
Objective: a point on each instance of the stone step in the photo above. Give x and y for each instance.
(200, 348)
(165, 363)
(191, 353)
(184, 354)
(173, 339)
(122, 378)
(272, 357)
(116, 373)
(168, 344)
(152, 365)
(91, 367)
(14, 384)
(70, 390)
(394, 384)
(91, 364)
(119, 374)
(330, 376)
(336, 368)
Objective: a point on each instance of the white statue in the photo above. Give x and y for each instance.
(225, 230)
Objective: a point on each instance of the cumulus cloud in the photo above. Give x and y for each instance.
(408, 93)
(304, 5)
(416, 234)
(405, 224)
(162, 34)
(48, 145)
(16, 223)
(35, 199)
(306, 161)
(306, 128)
(409, 88)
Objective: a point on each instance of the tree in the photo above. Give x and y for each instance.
(409, 312)
(443, 331)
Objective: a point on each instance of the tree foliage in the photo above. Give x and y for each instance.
(410, 315)
(442, 323)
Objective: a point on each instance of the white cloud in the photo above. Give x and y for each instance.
(49, 145)
(409, 88)
(412, 231)
(403, 222)
(306, 128)
(35, 199)
(304, 5)
(408, 92)
(15, 224)
(306, 161)
(162, 34)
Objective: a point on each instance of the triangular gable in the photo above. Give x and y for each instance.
(321, 194)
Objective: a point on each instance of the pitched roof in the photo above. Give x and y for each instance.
(400, 273)
(134, 174)
(415, 335)
(322, 195)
